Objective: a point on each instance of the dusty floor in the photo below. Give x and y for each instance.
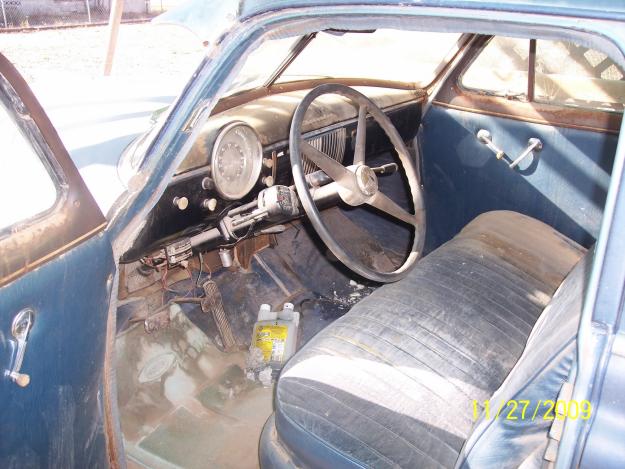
(183, 403)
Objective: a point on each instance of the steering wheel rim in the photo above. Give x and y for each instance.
(357, 184)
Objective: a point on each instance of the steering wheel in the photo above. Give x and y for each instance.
(356, 184)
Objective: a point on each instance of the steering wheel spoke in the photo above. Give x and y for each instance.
(356, 184)
(330, 166)
(361, 135)
(387, 205)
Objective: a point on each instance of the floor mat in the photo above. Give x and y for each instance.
(183, 403)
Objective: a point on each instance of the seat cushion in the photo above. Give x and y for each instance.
(392, 382)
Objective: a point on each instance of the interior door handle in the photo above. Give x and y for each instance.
(22, 324)
(533, 145)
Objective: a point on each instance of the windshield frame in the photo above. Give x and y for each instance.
(130, 164)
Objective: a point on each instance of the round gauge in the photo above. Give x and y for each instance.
(236, 160)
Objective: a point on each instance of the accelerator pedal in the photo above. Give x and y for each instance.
(212, 303)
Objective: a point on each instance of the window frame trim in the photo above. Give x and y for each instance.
(32, 135)
(454, 95)
(74, 217)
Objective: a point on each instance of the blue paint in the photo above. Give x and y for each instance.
(565, 185)
(56, 421)
(207, 19)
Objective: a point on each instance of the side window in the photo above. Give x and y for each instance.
(27, 187)
(500, 69)
(577, 76)
(564, 74)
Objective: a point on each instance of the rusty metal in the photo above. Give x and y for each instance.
(111, 424)
(244, 97)
(160, 319)
(538, 113)
(531, 71)
(212, 303)
(454, 96)
(73, 219)
(244, 250)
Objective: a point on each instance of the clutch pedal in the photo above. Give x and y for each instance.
(212, 303)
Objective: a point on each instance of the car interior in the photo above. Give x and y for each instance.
(377, 237)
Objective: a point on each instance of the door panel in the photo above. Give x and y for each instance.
(56, 421)
(564, 186)
(59, 265)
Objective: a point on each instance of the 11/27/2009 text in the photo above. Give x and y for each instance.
(527, 410)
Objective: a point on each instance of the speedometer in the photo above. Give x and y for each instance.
(236, 160)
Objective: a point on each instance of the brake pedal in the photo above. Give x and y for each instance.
(212, 303)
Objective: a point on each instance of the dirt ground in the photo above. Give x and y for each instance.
(143, 50)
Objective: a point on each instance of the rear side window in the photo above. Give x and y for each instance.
(574, 75)
(564, 74)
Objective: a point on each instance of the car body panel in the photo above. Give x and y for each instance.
(59, 266)
(209, 20)
(57, 420)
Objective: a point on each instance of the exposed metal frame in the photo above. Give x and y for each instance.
(72, 219)
(295, 51)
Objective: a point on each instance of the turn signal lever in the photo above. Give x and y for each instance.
(276, 203)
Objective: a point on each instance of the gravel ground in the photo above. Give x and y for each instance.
(143, 50)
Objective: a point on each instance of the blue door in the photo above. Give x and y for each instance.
(505, 95)
(56, 274)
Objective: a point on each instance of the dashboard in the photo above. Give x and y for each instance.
(244, 150)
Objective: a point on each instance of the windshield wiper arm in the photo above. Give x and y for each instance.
(296, 50)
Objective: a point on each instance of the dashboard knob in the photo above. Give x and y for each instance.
(268, 181)
(181, 203)
(209, 204)
(207, 184)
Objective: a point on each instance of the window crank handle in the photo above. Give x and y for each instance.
(484, 137)
(22, 324)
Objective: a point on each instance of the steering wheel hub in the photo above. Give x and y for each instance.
(366, 180)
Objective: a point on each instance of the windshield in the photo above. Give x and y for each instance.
(411, 57)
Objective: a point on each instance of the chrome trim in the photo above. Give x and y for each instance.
(331, 143)
(257, 161)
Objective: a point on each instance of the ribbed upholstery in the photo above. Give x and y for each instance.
(392, 382)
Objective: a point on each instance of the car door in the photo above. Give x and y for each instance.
(56, 272)
(505, 94)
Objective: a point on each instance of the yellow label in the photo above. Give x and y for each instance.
(271, 340)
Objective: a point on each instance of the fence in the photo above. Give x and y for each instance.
(24, 14)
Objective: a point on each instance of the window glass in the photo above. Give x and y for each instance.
(385, 54)
(574, 75)
(500, 69)
(26, 187)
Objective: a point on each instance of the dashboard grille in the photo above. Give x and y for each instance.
(331, 143)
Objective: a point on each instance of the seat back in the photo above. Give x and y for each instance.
(503, 441)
